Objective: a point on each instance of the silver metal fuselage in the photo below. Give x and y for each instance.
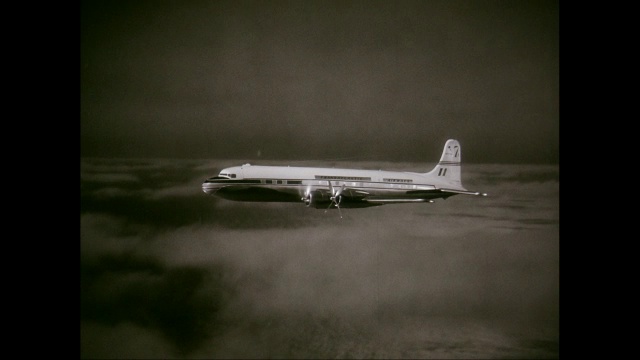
(317, 186)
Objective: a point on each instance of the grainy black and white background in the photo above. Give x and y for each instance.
(172, 92)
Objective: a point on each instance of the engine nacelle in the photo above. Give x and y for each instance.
(314, 199)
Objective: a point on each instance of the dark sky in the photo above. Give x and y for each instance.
(370, 80)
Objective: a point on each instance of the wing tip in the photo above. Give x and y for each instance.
(464, 192)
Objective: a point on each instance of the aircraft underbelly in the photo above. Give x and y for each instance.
(353, 197)
(257, 193)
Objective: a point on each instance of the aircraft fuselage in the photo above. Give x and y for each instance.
(318, 187)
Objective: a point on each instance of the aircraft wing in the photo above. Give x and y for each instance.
(352, 197)
(464, 192)
(396, 201)
(417, 196)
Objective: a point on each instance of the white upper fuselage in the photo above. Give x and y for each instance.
(248, 171)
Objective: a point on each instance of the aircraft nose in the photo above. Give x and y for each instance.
(209, 188)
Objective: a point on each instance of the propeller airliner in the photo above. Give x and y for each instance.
(335, 188)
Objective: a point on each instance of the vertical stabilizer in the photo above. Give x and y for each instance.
(448, 168)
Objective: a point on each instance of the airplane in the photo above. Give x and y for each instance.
(335, 188)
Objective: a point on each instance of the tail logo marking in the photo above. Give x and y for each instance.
(455, 151)
(441, 172)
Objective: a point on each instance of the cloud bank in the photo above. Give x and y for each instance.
(171, 273)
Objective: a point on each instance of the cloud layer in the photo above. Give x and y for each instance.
(168, 271)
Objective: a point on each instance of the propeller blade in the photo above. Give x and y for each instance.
(330, 197)
(306, 193)
(335, 198)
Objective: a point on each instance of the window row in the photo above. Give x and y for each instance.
(398, 180)
(282, 182)
(326, 177)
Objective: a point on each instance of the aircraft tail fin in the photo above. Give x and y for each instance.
(448, 168)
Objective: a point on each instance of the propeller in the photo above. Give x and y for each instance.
(308, 197)
(336, 198)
